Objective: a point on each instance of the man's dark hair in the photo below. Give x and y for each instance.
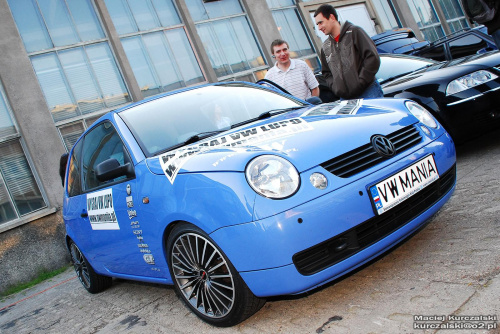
(278, 42)
(326, 10)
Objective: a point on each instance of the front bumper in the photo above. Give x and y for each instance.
(264, 251)
(472, 111)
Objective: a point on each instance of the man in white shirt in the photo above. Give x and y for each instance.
(294, 75)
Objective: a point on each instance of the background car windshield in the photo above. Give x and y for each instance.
(394, 66)
(162, 123)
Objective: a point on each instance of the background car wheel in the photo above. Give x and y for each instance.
(90, 280)
(205, 279)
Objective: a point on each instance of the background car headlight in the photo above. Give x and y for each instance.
(272, 176)
(469, 81)
(421, 114)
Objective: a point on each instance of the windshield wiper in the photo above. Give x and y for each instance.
(201, 135)
(193, 139)
(266, 114)
(403, 74)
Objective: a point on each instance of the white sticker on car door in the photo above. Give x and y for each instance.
(101, 210)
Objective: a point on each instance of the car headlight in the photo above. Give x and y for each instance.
(272, 176)
(421, 114)
(469, 81)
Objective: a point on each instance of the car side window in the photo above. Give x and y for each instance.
(100, 144)
(438, 53)
(466, 46)
(74, 176)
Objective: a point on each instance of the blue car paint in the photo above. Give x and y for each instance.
(287, 280)
(258, 235)
(274, 240)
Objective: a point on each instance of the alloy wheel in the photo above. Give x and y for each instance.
(80, 265)
(202, 275)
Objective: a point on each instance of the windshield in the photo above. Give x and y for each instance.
(396, 66)
(171, 120)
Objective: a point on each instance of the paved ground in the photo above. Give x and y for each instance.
(450, 268)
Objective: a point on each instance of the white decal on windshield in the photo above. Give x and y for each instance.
(171, 162)
(101, 210)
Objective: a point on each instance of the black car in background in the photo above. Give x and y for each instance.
(462, 94)
(466, 42)
(462, 43)
(402, 40)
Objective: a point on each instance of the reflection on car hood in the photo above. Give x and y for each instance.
(306, 137)
(445, 71)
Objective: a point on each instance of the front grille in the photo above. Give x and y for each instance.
(364, 157)
(340, 247)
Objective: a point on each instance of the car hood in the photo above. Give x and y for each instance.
(306, 137)
(443, 72)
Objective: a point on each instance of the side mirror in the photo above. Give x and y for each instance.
(111, 169)
(314, 100)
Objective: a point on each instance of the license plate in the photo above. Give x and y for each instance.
(400, 186)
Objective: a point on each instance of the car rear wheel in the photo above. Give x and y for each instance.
(90, 280)
(205, 279)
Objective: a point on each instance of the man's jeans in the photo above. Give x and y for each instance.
(373, 91)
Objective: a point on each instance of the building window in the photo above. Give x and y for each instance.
(427, 20)
(71, 58)
(44, 25)
(292, 30)
(226, 35)
(454, 14)
(80, 80)
(19, 191)
(387, 15)
(72, 131)
(131, 16)
(156, 44)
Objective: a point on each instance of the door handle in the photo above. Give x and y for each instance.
(84, 215)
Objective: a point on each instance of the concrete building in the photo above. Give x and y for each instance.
(63, 63)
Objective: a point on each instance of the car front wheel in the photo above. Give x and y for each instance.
(205, 279)
(90, 280)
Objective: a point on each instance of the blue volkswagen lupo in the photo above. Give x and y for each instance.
(234, 192)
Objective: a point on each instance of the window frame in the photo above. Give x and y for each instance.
(69, 90)
(426, 28)
(81, 141)
(21, 219)
(151, 65)
(16, 137)
(302, 25)
(164, 29)
(463, 37)
(57, 49)
(78, 120)
(67, 169)
(244, 14)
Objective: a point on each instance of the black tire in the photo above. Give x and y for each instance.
(205, 279)
(90, 280)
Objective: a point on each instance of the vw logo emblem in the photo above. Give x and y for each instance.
(383, 146)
